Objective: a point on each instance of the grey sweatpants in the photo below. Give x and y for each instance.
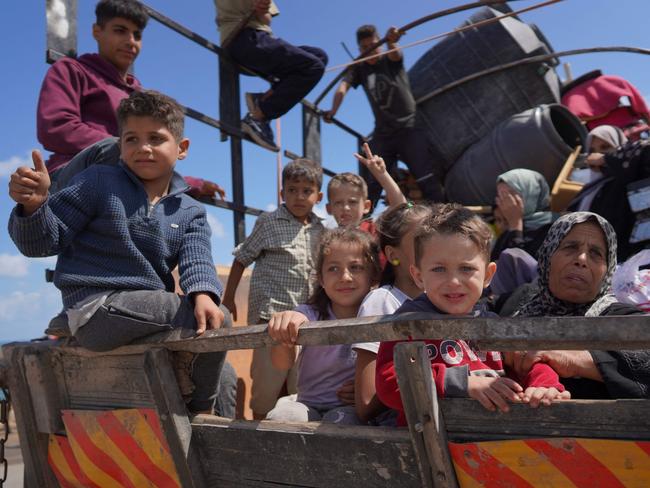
(129, 315)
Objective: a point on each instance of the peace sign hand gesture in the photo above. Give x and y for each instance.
(377, 168)
(374, 163)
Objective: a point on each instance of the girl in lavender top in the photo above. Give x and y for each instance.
(347, 268)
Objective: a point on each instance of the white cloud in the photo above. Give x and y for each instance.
(270, 207)
(49, 261)
(9, 166)
(216, 226)
(25, 314)
(57, 19)
(13, 265)
(18, 304)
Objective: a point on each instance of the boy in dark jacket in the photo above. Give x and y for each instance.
(453, 268)
(118, 231)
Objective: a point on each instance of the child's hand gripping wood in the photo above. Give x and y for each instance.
(283, 328)
(207, 313)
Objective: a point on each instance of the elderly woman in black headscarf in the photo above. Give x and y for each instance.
(576, 264)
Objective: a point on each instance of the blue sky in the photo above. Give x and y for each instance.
(189, 73)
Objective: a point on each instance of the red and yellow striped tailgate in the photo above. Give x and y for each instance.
(562, 463)
(112, 448)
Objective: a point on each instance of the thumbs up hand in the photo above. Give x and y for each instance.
(28, 186)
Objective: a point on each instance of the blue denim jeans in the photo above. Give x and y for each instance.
(297, 68)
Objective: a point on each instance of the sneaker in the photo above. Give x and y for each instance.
(252, 100)
(260, 131)
(182, 363)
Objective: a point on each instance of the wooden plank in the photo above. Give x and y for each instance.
(310, 454)
(426, 423)
(466, 420)
(105, 382)
(33, 444)
(500, 334)
(564, 190)
(173, 417)
(44, 390)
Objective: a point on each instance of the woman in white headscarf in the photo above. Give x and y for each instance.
(605, 139)
(607, 196)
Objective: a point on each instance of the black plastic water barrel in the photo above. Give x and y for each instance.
(540, 139)
(456, 119)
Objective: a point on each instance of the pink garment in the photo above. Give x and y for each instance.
(195, 184)
(597, 102)
(77, 105)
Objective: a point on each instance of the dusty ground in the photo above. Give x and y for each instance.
(15, 459)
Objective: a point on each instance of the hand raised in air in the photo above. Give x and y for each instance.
(373, 162)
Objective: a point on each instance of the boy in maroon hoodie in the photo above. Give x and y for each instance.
(452, 267)
(79, 97)
(78, 102)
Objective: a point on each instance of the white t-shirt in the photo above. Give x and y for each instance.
(382, 301)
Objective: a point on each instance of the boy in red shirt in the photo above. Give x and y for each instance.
(452, 267)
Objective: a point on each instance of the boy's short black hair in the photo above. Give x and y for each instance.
(158, 106)
(303, 169)
(132, 10)
(366, 31)
(347, 178)
(453, 219)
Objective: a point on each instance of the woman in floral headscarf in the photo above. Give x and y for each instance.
(522, 211)
(576, 264)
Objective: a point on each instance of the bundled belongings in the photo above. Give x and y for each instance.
(599, 99)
